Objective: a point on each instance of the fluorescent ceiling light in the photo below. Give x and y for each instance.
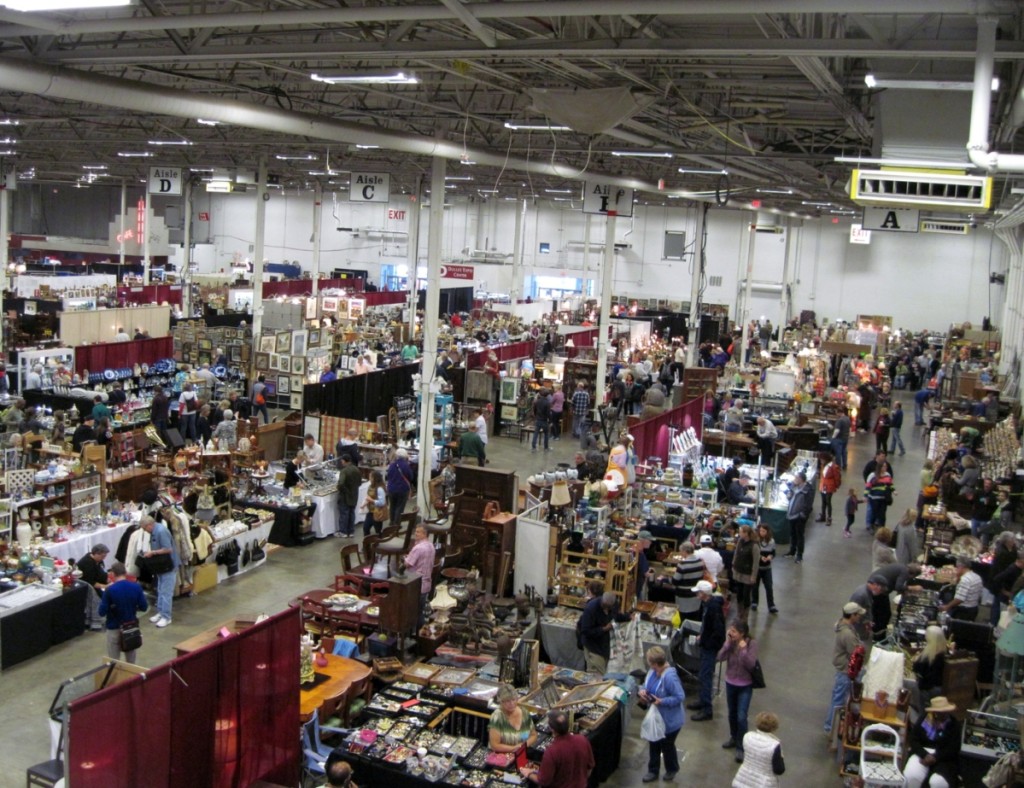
(487, 191)
(8, 153)
(205, 122)
(458, 177)
(873, 81)
(10, 122)
(399, 78)
(643, 154)
(200, 169)
(134, 154)
(367, 147)
(301, 157)
(700, 171)
(8, 141)
(94, 166)
(563, 199)
(816, 204)
(466, 161)
(558, 191)
(774, 191)
(537, 127)
(63, 5)
(169, 142)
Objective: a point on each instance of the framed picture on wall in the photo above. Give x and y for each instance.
(299, 341)
(246, 350)
(236, 352)
(330, 304)
(262, 362)
(275, 361)
(206, 344)
(356, 307)
(311, 305)
(186, 356)
(204, 358)
(297, 383)
(271, 387)
(295, 402)
(284, 385)
(509, 391)
(314, 337)
(268, 343)
(230, 333)
(298, 365)
(284, 341)
(285, 364)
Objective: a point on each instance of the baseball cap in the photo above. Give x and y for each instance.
(706, 539)
(852, 607)
(879, 580)
(645, 535)
(703, 587)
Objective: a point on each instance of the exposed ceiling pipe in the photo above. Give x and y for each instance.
(57, 82)
(491, 10)
(981, 105)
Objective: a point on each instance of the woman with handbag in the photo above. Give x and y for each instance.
(663, 692)
(763, 761)
(122, 602)
(399, 486)
(511, 726)
(739, 652)
(376, 504)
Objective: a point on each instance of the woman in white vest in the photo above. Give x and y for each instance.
(762, 755)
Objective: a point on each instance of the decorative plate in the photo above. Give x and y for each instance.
(108, 374)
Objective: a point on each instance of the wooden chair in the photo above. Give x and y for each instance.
(356, 698)
(343, 585)
(347, 552)
(370, 549)
(350, 627)
(332, 710)
(316, 618)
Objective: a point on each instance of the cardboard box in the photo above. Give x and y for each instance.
(204, 578)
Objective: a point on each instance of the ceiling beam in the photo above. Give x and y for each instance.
(476, 27)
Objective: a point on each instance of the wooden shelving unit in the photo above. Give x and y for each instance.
(616, 568)
(869, 714)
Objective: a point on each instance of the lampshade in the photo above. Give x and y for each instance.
(560, 495)
(442, 599)
(1012, 639)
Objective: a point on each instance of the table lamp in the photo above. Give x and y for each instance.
(442, 603)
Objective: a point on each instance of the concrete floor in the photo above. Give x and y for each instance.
(796, 645)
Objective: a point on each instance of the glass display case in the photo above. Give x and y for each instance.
(991, 735)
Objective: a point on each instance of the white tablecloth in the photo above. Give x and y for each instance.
(243, 540)
(325, 518)
(80, 544)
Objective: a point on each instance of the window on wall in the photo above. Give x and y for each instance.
(675, 245)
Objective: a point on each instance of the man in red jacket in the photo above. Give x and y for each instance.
(567, 761)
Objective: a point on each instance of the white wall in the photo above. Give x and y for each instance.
(921, 280)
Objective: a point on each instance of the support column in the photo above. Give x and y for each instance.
(428, 383)
(145, 239)
(124, 210)
(5, 230)
(257, 248)
(414, 250)
(744, 314)
(586, 254)
(516, 288)
(787, 270)
(186, 273)
(318, 198)
(695, 279)
(607, 278)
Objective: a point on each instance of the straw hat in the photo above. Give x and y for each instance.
(940, 704)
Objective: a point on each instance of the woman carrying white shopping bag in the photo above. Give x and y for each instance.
(663, 692)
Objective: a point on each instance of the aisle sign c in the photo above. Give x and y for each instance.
(370, 187)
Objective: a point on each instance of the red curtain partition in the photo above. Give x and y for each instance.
(509, 352)
(651, 436)
(113, 355)
(386, 297)
(225, 716)
(583, 339)
(150, 294)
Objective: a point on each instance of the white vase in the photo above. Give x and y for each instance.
(24, 532)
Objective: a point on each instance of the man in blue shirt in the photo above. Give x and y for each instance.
(161, 542)
(920, 399)
(122, 602)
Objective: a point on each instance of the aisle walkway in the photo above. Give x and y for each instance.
(796, 644)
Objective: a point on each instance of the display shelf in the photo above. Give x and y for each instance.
(29, 358)
(857, 716)
(989, 735)
(617, 568)
(443, 417)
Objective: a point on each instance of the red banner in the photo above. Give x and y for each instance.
(457, 272)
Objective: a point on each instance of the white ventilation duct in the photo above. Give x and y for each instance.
(981, 105)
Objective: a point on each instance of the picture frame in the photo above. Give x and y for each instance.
(314, 337)
(230, 333)
(311, 308)
(300, 340)
(298, 365)
(246, 351)
(284, 384)
(284, 341)
(206, 344)
(262, 362)
(235, 352)
(268, 343)
(284, 364)
(186, 356)
(330, 304)
(275, 361)
(204, 358)
(271, 387)
(295, 402)
(356, 307)
(297, 383)
(509, 393)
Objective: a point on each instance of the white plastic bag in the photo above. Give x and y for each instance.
(653, 726)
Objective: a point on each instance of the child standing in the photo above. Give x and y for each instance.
(852, 502)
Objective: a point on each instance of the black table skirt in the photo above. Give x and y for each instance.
(29, 632)
(287, 522)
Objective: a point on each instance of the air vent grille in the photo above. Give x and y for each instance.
(948, 228)
(715, 281)
(912, 188)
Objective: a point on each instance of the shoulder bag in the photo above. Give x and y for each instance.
(757, 676)
(160, 564)
(131, 636)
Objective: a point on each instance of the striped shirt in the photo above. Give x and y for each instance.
(968, 590)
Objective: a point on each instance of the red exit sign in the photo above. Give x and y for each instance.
(396, 214)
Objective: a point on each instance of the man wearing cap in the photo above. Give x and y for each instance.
(846, 642)
(710, 640)
(94, 574)
(689, 572)
(596, 625)
(865, 596)
(800, 505)
(964, 605)
(713, 561)
(737, 492)
(895, 577)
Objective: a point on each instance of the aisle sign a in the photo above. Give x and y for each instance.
(165, 181)
(893, 220)
(370, 187)
(604, 198)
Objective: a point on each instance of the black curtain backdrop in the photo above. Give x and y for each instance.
(362, 397)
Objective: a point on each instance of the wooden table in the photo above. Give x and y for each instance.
(318, 595)
(211, 635)
(343, 673)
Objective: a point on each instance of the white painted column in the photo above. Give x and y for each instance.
(430, 314)
(186, 273)
(414, 250)
(145, 239)
(586, 254)
(124, 210)
(744, 314)
(607, 279)
(695, 277)
(257, 248)
(516, 288)
(787, 272)
(318, 199)
(5, 230)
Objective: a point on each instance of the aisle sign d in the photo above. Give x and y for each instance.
(370, 187)
(604, 198)
(165, 181)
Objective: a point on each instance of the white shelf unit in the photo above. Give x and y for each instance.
(29, 358)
